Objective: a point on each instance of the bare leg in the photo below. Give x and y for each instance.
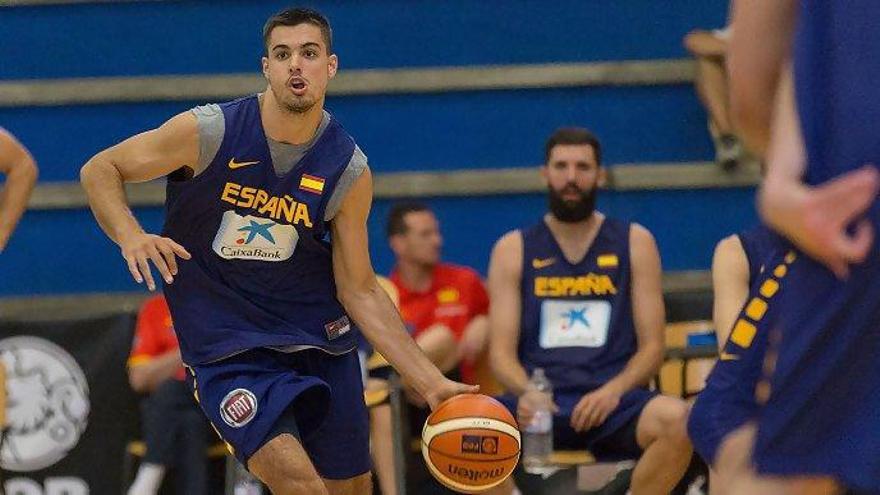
(712, 89)
(359, 485)
(734, 459)
(381, 448)
(662, 433)
(283, 465)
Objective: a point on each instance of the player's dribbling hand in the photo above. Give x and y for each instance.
(446, 389)
(140, 248)
(817, 219)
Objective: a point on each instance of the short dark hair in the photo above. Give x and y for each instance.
(398, 213)
(573, 135)
(295, 17)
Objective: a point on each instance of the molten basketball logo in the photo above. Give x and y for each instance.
(48, 405)
(238, 408)
(476, 444)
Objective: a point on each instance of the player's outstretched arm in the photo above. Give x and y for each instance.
(140, 158)
(21, 174)
(369, 305)
(730, 284)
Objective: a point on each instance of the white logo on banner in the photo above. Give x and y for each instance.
(47, 403)
(254, 238)
(574, 323)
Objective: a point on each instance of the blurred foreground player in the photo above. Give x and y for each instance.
(819, 431)
(261, 300)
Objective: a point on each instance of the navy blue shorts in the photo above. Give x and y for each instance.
(613, 440)
(252, 397)
(823, 414)
(728, 401)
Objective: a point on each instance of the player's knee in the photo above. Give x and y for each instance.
(672, 420)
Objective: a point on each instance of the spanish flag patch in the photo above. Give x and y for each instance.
(311, 184)
(607, 261)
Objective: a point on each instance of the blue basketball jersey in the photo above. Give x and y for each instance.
(759, 243)
(576, 319)
(836, 69)
(261, 272)
(821, 416)
(729, 398)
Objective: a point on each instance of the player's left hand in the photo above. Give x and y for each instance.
(594, 408)
(446, 389)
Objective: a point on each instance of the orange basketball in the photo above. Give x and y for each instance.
(471, 443)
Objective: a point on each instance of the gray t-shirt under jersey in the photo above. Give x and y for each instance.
(212, 126)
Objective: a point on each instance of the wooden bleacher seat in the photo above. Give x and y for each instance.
(684, 377)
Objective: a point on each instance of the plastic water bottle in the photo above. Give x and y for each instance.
(538, 435)
(244, 483)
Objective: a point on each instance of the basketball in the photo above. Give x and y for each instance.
(471, 443)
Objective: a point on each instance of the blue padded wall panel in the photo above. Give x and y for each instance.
(198, 37)
(65, 251)
(418, 132)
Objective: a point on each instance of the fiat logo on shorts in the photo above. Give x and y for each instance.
(238, 407)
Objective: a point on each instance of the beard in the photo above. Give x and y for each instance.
(572, 211)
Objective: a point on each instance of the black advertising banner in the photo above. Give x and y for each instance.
(70, 409)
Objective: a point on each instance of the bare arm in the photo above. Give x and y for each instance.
(21, 174)
(143, 157)
(730, 282)
(370, 306)
(761, 42)
(474, 339)
(145, 377)
(649, 315)
(505, 277)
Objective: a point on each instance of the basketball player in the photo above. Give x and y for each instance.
(260, 299)
(819, 430)
(747, 273)
(21, 174)
(579, 295)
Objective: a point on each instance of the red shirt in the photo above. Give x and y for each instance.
(456, 297)
(154, 334)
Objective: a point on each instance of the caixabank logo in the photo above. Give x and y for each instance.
(253, 238)
(47, 403)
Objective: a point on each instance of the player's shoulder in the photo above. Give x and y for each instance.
(731, 245)
(511, 240)
(639, 235)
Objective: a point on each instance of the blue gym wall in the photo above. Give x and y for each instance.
(64, 251)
